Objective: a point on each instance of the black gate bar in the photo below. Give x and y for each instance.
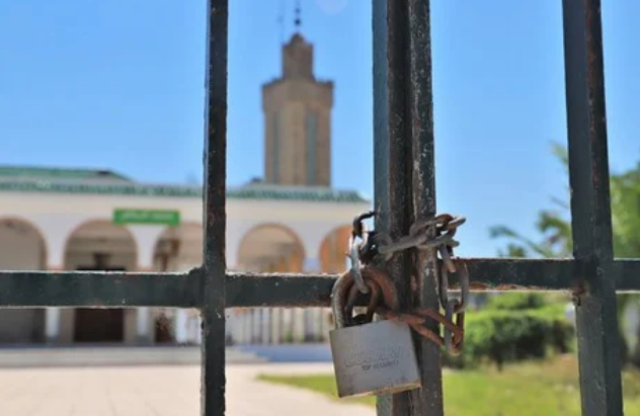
(429, 399)
(214, 213)
(596, 311)
(405, 174)
(392, 158)
(41, 289)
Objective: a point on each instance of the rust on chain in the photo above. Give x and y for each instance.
(354, 284)
(443, 284)
(416, 319)
(447, 262)
(440, 221)
(446, 228)
(342, 288)
(383, 300)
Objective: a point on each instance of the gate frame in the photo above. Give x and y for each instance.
(404, 191)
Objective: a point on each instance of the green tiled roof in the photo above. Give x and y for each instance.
(69, 181)
(299, 193)
(67, 174)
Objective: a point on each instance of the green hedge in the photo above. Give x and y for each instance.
(505, 335)
(516, 301)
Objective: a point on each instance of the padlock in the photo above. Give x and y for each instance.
(370, 358)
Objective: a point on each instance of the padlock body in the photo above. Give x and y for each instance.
(374, 358)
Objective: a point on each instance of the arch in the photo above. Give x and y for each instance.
(271, 247)
(334, 249)
(91, 230)
(99, 245)
(37, 233)
(23, 248)
(179, 248)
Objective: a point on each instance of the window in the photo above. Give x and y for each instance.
(311, 135)
(275, 167)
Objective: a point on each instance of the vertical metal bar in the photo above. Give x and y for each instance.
(213, 308)
(389, 71)
(404, 170)
(597, 327)
(423, 190)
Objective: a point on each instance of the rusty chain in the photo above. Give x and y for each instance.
(454, 306)
(383, 300)
(373, 243)
(359, 232)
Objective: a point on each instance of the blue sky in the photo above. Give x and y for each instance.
(120, 84)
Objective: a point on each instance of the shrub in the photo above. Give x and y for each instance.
(506, 331)
(516, 301)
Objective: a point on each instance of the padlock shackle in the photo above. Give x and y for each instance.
(374, 300)
(337, 300)
(343, 285)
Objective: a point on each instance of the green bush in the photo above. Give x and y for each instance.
(516, 301)
(507, 332)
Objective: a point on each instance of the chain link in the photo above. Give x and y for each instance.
(359, 232)
(356, 265)
(376, 243)
(452, 306)
(381, 243)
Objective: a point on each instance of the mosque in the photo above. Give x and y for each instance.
(86, 219)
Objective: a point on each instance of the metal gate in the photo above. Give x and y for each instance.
(404, 191)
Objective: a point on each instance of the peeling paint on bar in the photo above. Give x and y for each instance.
(285, 290)
(212, 283)
(101, 289)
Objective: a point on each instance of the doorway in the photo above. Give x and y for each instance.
(163, 332)
(99, 325)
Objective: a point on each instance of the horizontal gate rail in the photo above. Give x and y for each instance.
(182, 290)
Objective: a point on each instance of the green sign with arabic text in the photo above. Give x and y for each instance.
(122, 216)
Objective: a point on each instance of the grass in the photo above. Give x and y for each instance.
(534, 388)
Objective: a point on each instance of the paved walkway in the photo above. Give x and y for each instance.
(160, 391)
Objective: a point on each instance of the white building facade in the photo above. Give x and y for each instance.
(66, 219)
(83, 219)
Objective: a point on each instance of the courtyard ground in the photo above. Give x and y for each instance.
(160, 391)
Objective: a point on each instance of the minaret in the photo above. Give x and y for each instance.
(297, 111)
